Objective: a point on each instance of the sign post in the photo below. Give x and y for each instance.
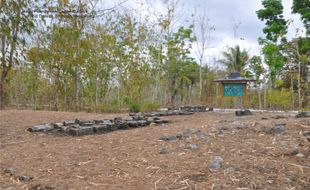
(234, 86)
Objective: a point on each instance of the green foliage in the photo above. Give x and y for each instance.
(134, 107)
(150, 106)
(281, 99)
(256, 67)
(272, 14)
(126, 100)
(235, 60)
(303, 8)
(273, 57)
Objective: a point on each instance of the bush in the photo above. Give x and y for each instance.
(281, 99)
(134, 107)
(112, 107)
(150, 106)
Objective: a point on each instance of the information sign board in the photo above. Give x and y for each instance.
(234, 89)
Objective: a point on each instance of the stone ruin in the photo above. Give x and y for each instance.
(183, 110)
(78, 127)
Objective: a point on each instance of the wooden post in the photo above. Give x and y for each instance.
(245, 94)
(222, 94)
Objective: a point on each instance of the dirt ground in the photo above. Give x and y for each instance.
(253, 156)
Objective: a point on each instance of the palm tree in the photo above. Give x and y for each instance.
(234, 59)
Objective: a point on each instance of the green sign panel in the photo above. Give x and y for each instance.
(233, 89)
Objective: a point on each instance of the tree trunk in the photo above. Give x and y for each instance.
(270, 89)
(259, 98)
(77, 87)
(265, 96)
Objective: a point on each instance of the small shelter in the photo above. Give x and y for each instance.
(234, 85)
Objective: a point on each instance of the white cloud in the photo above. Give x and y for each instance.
(224, 14)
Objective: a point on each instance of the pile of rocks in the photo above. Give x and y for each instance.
(77, 127)
(199, 108)
(162, 113)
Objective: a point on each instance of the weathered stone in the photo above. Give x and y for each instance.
(160, 121)
(300, 155)
(42, 187)
(133, 124)
(86, 123)
(306, 133)
(173, 138)
(25, 178)
(215, 163)
(143, 123)
(69, 122)
(11, 171)
(186, 113)
(303, 114)
(293, 152)
(98, 121)
(40, 128)
(243, 113)
(278, 129)
(118, 119)
(77, 130)
(279, 117)
(57, 125)
(100, 128)
(192, 146)
(163, 151)
(188, 132)
(138, 117)
(201, 135)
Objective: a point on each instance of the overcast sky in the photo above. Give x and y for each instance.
(224, 14)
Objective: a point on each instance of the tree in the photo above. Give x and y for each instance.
(234, 59)
(15, 22)
(303, 8)
(178, 50)
(203, 31)
(275, 23)
(257, 69)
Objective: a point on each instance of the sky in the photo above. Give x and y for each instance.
(223, 15)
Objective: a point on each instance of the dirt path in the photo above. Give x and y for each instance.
(254, 157)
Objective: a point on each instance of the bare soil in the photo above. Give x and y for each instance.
(253, 157)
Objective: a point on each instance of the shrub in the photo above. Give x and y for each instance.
(150, 106)
(134, 107)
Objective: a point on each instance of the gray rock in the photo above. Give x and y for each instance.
(39, 128)
(201, 135)
(42, 187)
(77, 130)
(306, 133)
(303, 114)
(243, 113)
(172, 138)
(300, 155)
(86, 123)
(133, 124)
(188, 132)
(215, 163)
(278, 129)
(100, 128)
(57, 125)
(69, 122)
(25, 178)
(193, 146)
(163, 151)
(11, 171)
